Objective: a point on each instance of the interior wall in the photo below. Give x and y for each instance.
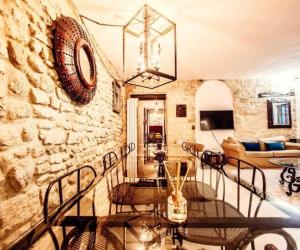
(43, 134)
(297, 91)
(178, 129)
(212, 95)
(250, 111)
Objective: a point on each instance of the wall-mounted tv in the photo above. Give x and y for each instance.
(216, 119)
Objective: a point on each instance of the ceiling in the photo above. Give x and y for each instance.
(216, 39)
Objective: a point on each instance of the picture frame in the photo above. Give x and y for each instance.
(116, 97)
(181, 110)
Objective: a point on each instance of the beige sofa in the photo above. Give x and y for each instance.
(233, 148)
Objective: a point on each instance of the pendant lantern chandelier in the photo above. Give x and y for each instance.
(149, 49)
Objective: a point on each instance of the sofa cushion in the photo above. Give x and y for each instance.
(272, 146)
(262, 141)
(287, 153)
(259, 154)
(251, 146)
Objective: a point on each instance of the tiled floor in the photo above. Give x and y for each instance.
(274, 188)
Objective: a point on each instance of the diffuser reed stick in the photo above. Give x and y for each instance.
(184, 179)
(178, 176)
(168, 173)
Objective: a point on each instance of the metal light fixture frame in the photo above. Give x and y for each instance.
(149, 71)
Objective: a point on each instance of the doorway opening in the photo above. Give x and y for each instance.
(151, 125)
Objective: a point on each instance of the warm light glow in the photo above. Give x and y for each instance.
(141, 247)
(156, 107)
(147, 66)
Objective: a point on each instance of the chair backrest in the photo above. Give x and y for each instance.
(251, 185)
(111, 165)
(195, 149)
(109, 160)
(125, 151)
(65, 202)
(213, 159)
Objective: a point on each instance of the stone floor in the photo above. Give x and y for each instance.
(274, 188)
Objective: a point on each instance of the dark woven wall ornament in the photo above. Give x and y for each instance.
(75, 60)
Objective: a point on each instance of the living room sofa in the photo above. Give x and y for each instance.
(234, 148)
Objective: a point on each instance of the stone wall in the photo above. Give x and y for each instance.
(43, 134)
(250, 112)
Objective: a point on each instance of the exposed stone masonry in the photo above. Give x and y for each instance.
(250, 112)
(43, 134)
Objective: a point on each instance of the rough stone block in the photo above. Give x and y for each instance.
(37, 152)
(74, 138)
(9, 135)
(3, 86)
(66, 107)
(18, 83)
(58, 158)
(57, 167)
(45, 112)
(2, 66)
(47, 84)
(39, 97)
(20, 175)
(17, 55)
(29, 133)
(43, 179)
(36, 64)
(18, 109)
(45, 124)
(3, 49)
(42, 168)
(55, 103)
(61, 94)
(34, 79)
(34, 46)
(55, 136)
(10, 216)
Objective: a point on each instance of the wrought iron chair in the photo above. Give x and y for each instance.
(59, 201)
(219, 208)
(195, 187)
(123, 191)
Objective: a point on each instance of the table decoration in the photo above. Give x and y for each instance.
(177, 204)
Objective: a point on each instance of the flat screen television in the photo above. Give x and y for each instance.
(216, 119)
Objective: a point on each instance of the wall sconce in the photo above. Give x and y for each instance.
(149, 49)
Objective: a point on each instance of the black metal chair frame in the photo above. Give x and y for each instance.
(111, 164)
(65, 205)
(217, 161)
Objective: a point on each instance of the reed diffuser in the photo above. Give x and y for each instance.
(177, 204)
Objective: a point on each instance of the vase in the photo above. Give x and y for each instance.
(177, 208)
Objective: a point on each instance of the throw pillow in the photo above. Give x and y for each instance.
(251, 146)
(273, 146)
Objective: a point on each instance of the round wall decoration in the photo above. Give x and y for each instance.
(75, 60)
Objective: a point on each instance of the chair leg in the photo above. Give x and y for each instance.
(109, 211)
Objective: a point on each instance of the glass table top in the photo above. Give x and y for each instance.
(219, 213)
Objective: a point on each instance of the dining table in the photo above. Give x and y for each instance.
(221, 213)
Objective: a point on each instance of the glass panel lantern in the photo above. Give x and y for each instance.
(149, 49)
